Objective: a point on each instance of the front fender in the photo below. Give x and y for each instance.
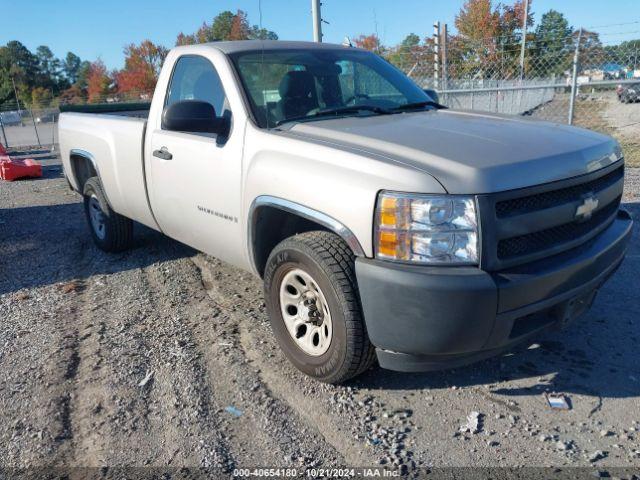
(338, 186)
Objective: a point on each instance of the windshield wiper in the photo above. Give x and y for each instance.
(329, 112)
(416, 105)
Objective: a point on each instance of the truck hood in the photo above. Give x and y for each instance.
(469, 152)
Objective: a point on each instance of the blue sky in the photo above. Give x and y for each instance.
(93, 29)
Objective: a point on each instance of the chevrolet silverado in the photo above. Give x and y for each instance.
(384, 225)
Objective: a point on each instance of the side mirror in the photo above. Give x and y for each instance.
(433, 94)
(194, 116)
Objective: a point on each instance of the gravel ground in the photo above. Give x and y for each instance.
(133, 360)
(623, 116)
(603, 112)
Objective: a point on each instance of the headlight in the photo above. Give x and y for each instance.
(431, 229)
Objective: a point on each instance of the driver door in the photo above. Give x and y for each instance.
(194, 184)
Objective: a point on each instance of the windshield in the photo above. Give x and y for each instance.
(305, 84)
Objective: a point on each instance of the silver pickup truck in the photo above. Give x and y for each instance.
(383, 224)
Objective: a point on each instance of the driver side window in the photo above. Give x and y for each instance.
(195, 78)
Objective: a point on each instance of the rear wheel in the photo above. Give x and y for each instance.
(314, 307)
(110, 231)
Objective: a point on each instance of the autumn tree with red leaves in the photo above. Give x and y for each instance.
(368, 42)
(142, 67)
(98, 82)
(240, 28)
(487, 33)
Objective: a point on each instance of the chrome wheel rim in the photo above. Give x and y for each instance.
(305, 312)
(96, 215)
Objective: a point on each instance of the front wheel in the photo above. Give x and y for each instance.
(313, 304)
(111, 231)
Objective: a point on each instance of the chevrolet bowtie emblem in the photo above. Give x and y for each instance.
(584, 211)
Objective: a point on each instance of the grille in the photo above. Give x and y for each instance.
(539, 201)
(538, 241)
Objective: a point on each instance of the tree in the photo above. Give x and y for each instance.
(552, 44)
(72, 95)
(257, 33)
(141, 67)
(226, 26)
(240, 29)
(83, 75)
(19, 65)
(49, 70)
(478, 21)
(71, 67)
(489, 38)
(47, 62)
(204, 34)
(511, 20)
(410, 52)
(183, 39)
(222, 25)
(98, 82)
(626, 54)
(592, 53)
(6, 88)
(368, 42)
(41, 97)
(410, 41)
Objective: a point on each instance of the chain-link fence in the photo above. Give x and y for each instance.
(35, 125)
(576, 80)
(22, 126)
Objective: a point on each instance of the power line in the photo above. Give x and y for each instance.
(615, 24)
(610, 34)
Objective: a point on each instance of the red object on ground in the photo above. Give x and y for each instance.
(13, 169)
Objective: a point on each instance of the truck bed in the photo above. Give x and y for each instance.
(112, 138)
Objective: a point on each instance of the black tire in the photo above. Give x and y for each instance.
(331, 264)
(117, 234)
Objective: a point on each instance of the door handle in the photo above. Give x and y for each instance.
(163, 153)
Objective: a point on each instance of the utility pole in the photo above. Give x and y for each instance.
(524, 37)
(574, 78)
(445, 36)
(317, 20)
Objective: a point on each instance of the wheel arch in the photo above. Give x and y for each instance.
(272, 219)
(83, 167)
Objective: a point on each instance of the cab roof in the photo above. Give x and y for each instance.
(253, 45)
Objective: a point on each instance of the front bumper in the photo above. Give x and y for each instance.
(429, 318)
